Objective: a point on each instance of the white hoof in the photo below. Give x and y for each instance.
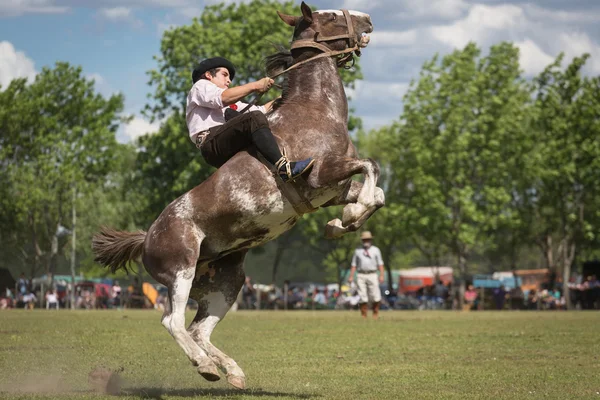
(238, 382)
(334, 229)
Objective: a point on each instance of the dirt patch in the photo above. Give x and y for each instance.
(105, 381)
(38, 384)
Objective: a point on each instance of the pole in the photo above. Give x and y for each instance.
(73, 246)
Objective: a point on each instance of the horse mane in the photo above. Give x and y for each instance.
(279, 62)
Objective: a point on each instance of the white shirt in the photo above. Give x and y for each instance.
(51, 298)
(205, 109)
(367, 260)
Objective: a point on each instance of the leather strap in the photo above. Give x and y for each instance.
(293, 191)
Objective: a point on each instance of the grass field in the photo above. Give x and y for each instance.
(310, 355)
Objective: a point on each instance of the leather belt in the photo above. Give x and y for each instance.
(201, 137)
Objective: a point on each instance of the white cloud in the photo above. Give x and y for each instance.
(574, 44)
(116, 13)
(360, 5)
(139, 127)
(445, 9)
(14, 64)
(96, 77)
(120, 14)
(482, 23)
(561, 16)
(393, 38)
(369, 90)
(532, 59)
(11, 8)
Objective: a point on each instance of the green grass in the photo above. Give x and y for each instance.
(310, 355)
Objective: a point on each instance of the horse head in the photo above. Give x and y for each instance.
(329, 30)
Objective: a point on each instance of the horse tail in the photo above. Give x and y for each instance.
(115, 249)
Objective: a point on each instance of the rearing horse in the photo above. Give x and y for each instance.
(196, 247)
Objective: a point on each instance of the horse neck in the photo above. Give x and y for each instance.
(318, 83)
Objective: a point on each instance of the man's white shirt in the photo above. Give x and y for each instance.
(205, 109)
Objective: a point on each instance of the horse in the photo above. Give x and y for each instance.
(197, 245)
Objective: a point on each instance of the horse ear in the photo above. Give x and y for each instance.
(288, 19)
(306, 13)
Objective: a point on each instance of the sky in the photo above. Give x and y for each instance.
(115, 41)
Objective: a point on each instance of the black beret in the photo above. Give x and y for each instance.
(212, 63)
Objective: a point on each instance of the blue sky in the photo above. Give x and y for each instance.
(114, 41)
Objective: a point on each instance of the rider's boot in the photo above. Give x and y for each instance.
(288, 170)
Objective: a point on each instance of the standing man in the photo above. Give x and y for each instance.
(366, 261)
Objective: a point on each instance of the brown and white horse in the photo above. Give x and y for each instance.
(196, 247)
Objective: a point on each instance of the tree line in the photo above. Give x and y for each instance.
(483, 170)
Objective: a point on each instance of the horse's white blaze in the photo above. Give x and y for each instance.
(339, 12)
(184, 207)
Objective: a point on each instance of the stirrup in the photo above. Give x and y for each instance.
(280, 163)
(284, 161)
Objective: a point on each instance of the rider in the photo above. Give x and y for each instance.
(219, 139)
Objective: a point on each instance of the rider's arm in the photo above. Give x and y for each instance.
(235, 94)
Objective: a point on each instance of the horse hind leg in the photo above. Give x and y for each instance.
(174, 321)
(178, 275)
(215, 289)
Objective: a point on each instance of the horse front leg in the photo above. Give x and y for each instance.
(361, 199)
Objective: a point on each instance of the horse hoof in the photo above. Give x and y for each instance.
(238, 382)
(334, 229)
(209, 372)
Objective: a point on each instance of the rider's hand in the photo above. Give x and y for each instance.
(264, 85)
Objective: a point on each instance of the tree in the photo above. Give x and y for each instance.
(567, 111)
(458, 139)
(58, 135)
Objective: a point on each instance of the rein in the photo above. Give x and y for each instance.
(327, 52)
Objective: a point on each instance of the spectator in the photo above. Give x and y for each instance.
(470, 298)
(320, 299)
(532, 300)
(23, 285)
(116, 294)
(29, 300)
(51, 300)
(248, 294)
(499, 297)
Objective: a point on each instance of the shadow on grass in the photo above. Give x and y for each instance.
(157, 393)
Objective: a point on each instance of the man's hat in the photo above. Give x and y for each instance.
(212, 63)
(366, 235)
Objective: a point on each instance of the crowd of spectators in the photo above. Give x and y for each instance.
(585, 295)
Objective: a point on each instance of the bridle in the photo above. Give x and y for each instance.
(315, 42)
(344, 56)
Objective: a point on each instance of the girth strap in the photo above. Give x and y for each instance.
(293, 191)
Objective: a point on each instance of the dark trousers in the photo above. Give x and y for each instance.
(224, 141)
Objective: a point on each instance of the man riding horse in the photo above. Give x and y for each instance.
(220, 138)
(196, 247)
